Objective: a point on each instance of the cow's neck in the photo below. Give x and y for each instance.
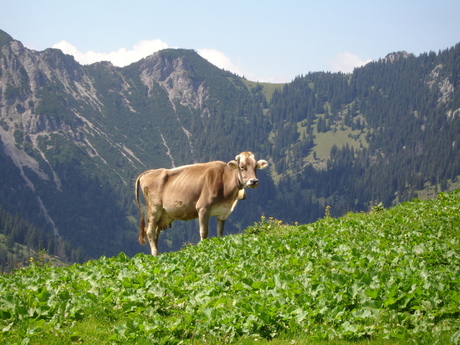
(240, 185)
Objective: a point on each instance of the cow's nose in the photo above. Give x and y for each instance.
(253, 182)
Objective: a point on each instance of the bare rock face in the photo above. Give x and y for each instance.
(392, 57)
(28, 97)
(439, 82)
(177, 77)
(30, 108)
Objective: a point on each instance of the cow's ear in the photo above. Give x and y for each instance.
(262, 164)
(232, 165)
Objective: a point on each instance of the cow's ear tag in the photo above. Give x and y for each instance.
(262, 164)
(232, 165)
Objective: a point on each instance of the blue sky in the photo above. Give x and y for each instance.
(272, 41)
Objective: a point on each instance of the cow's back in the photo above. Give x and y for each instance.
(190, 180)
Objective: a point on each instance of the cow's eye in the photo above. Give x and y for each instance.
(242, 167)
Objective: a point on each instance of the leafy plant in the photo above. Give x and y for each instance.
(265, 224)
(392, 274)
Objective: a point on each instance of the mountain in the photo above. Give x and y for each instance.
(73, 138)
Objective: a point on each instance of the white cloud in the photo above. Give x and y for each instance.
(346, 62)
(220, 60)
(121, 57)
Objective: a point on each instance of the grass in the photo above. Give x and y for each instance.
(339, 137)
(384, 277)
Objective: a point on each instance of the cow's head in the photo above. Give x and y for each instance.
(246, 166)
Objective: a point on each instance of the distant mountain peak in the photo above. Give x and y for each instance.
(175, 71)
(396, 56)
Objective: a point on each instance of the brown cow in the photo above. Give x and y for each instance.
(194, 191)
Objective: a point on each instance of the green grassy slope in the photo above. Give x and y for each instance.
(267, 88)
(389, 274)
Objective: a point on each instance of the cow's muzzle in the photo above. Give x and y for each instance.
(252, 183)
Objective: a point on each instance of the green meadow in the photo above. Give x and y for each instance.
(390, 276)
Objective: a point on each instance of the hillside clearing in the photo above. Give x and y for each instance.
(267, 88)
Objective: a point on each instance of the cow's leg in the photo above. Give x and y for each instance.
(220, 227)
(203, 216)
(153, 232)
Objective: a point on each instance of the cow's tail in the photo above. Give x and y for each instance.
(141, 238)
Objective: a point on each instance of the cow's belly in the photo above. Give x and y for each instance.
(186, 210)
(180, 210)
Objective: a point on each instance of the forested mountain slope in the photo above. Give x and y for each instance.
(395, 123)
(73, 138)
